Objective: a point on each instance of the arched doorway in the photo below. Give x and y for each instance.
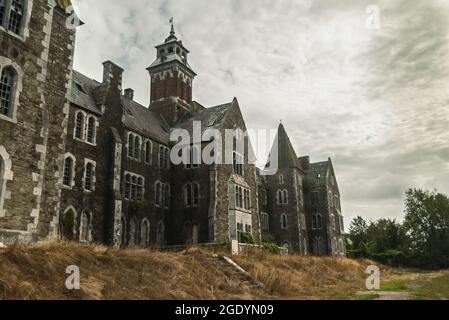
(145, 233)
(67, 225)
(187, 233)
(195, 234)
(133, 232)
(160, 234)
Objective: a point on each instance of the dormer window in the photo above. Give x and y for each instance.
(170, 50)
(178, 51)
(161, 52)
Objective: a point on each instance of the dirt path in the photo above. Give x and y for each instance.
(385, 295)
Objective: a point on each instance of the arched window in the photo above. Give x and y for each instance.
(196, 194)
(284, 222)
(133, 232)
(145, 233)
(158, 193)
(16, 16)
(7, 80)
(317, 222)
(88, 177)
(84, 227)
(160, 234)
(281, 179)
(68, 171)
(285, 197)
(167, 196)
(128, 186)
(139, 188)
(148, 151)
(91, 128)
(188, 195)
(130, 145)
(137, 147)
(279, 197)
(79, 125)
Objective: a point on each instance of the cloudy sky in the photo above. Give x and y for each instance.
(376, 101)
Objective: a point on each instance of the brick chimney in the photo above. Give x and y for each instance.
(129, 94)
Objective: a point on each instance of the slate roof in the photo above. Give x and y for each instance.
(142, 120)
(209, 117)
(287, 157)
(81, 93)
(318, 171)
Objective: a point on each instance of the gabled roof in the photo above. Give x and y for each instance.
(318, 171)
(287, 157)
(81, 93)
(144, 121)
(209, 117)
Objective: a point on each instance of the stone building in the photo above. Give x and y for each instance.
(81, 160)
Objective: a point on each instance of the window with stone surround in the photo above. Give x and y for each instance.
(79, 125)
(158, 193)
(282, 197)
(242, 198)
(148, 151)
(89, 174)
(7, 86)
(134, 186)
(12, 16)
(191, 192)
(281, 179)
(164, 157)
(91, 129)
(284, 222)
(317, 221)
(69, 171)
(134, 146)
(85, 227)
(265, 221)
(193, 157)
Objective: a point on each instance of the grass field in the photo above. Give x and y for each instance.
(38, 272)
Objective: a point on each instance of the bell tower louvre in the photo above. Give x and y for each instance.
(171, 79)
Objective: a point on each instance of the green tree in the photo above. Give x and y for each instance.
(357, 232)
(427, 224)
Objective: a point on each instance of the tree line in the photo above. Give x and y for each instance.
(421, 240)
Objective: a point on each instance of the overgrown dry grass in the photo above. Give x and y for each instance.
(38, 272)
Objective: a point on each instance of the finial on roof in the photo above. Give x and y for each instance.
(172, 31)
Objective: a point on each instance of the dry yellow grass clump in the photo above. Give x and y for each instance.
(38, 272)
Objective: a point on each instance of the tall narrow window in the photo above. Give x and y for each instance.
(133, 187)
(196, 194)
(2, 177)
(247, 199)
(137, 148)
(167, 158)
(68, 172)
(130, 145)
(88, 177)
(284, 221)
(158, 193)
(6, 91)
(148, 151)
(188, 195)
(16, 16)
(140, 188)
(79, 125)
(91, 126)
(2, 11)
(167, 196)
(84, 227)
(285, 197)
(127, 186)
(145, 233)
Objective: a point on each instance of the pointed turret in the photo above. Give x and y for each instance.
(287, 157)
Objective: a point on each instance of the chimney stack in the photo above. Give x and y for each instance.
(129, 94)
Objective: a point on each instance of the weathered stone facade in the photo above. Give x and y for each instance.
(39, 54)
(81, 160)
